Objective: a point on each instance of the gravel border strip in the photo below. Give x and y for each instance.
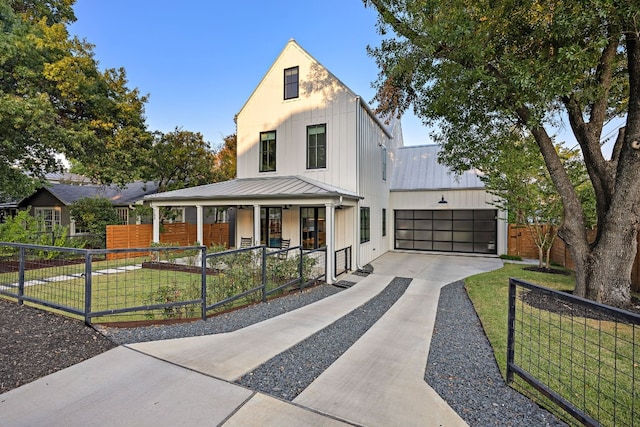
(286, 375)
(462, 369)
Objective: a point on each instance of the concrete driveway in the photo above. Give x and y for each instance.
(379, 381)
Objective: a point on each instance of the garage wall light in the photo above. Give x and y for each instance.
(442, 200)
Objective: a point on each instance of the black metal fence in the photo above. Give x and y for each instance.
(578, 355)
(342, 260)
(172, 282)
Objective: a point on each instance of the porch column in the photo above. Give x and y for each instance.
(156, 224)
(199, 226)
(330, 211)
(256, 225)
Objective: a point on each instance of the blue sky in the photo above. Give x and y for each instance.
(199, 60)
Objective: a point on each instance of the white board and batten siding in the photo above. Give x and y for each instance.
(374, 142)
(322, 99)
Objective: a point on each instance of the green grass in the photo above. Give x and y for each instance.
(144, 287)
(574, 356)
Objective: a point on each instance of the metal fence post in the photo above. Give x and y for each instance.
(264, 274)
(21, 266)
(203, 290)
(511, 322)
(301, 268)
(87, 288)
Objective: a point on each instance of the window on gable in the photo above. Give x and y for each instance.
(268, 151)
(365, 225)
(291, 83)
(316, 146)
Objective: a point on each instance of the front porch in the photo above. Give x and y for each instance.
(270, 211)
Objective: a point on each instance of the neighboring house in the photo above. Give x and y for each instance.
(317, 167)
(52, 201)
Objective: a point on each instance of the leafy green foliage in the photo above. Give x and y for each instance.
(518, 176)
(180, 159)
(26, 228)
(94, 214)
(487, 75)
(171, 293)
(54, 99)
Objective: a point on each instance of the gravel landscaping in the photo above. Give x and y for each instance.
(460, 367)
(462, 370)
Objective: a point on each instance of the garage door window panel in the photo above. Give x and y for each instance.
(453, 230)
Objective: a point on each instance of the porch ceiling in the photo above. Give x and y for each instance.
(255, 188)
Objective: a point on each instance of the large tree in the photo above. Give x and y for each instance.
(54, 100)
(482, 71)
(225, 165)
(518, 176)
(180, 159)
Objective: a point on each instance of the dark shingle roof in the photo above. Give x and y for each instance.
(70, 193)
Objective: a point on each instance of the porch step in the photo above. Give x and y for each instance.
(344, 284)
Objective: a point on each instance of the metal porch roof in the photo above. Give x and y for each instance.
(251, 188)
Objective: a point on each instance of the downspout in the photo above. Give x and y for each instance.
(356, 231)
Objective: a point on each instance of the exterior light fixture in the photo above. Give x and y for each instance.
(442, 201)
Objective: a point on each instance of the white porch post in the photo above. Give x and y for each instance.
(331, 211)
(199, 225)
(256, 225)
(156, 224)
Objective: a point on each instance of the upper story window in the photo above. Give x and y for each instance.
(316, 146)
(291, 83)
(384, 163)
(268, 151)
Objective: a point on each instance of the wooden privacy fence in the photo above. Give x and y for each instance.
(178, 234)
(522, 244)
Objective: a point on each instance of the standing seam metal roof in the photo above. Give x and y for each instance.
(417, 168)
(247, 188)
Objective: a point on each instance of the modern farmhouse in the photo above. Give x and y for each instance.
(318, 168)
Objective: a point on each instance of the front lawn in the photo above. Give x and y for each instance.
(591, 362)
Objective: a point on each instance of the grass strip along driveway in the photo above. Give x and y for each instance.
(489, 295)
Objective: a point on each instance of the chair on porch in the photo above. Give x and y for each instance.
(284, 244)
(245, 242)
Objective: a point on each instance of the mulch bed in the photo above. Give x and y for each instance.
(558, 305)
(35, 343)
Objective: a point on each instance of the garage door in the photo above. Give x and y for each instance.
(472, 231)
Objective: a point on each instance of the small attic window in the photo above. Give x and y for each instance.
(291, 83)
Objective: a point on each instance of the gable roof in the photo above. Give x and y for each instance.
(252, 188)
(68, 194)
(292, 44)
(417, 168)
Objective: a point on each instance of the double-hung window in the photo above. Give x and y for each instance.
(365, 225)
(317, 146)
(268, 151)
(291, 83)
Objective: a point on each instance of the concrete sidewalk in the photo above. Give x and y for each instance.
(377, 382)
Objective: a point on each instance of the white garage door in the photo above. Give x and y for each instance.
(473, 231)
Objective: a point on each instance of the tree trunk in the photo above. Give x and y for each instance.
(609, 265)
